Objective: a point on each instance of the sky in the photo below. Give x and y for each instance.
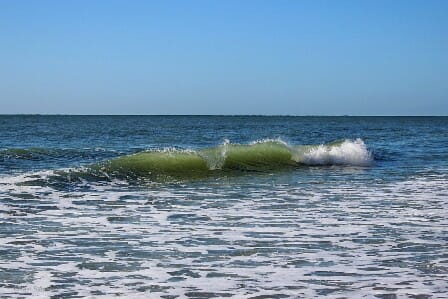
(277, 57)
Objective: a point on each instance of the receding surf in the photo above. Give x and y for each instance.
(257, 156)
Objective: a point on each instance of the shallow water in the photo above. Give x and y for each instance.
(325, 227)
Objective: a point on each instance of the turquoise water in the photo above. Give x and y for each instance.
(217, 206)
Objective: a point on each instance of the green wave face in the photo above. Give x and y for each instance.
(157, 163)
(259, 156)
(254, 157)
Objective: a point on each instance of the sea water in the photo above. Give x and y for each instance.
(223, 206)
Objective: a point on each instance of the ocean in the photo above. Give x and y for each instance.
(223, 206)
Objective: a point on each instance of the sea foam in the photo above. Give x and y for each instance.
(348, 152)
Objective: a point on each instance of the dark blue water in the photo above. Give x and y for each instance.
(365, 217)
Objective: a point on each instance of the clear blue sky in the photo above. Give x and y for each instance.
(224, 57)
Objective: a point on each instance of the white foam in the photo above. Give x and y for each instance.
(262, 247)
(349, 152)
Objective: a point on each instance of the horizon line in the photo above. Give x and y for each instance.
(227, 115)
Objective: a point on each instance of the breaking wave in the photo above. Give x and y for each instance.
(257, 156)
(347, 152)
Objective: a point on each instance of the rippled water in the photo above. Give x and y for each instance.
(333, 231)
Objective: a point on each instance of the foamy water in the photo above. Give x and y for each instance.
(353, 240)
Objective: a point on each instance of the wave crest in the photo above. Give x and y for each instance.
(347, 152)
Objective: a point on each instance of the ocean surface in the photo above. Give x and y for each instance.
(223, 206)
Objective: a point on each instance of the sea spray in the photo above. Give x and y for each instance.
(346, 152)
(215, 157)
